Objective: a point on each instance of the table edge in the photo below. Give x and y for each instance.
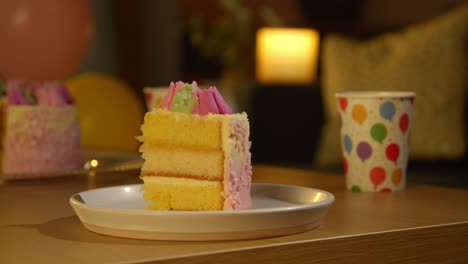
(239, 251)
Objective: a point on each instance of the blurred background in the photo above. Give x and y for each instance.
(417, 45)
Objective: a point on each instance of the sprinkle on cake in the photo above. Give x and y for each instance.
(197, 153)
(42, 133)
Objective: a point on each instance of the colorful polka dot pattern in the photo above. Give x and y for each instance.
(375, 136)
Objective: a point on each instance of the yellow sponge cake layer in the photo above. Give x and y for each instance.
(168, 193)
(182, 162)
(177, 129)
(195, 162)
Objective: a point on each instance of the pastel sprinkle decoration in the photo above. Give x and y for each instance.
(348, 143)
(387, 110)
(378, 132)
(377, 176)
(359, 113)
(404, 123)
(396, 176)
(343, 102)
(392, 151)
(364, 150)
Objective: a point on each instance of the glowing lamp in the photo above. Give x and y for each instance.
(286, 56)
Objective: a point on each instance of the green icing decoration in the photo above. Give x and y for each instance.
(355, 188)
(29, 96)
(184, 101)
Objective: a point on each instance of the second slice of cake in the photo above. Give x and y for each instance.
(197, 154)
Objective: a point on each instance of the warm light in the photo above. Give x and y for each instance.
(317, 198)
(127, 189)
(94, 163)
(286, 55)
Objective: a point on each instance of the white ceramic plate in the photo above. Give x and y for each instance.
(277, 210)
(104, 161)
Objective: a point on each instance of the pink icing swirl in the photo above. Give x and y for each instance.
(14, 93)
(211, 101)
(208, 100)
(167, 102)
(20, 92)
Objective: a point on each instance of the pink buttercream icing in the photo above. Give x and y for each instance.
(240, 174)
(208, 100)
(14, 93)
(41, 139)
(42, 132)
(51, 94)
(211, 101)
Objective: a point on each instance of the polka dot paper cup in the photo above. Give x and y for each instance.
(375, 129)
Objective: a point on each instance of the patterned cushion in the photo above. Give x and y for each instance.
(429, 59)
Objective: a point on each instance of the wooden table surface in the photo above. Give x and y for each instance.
(422, 224)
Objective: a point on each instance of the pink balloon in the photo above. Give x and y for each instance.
(43, 40)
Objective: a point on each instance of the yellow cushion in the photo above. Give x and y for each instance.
(427, 58)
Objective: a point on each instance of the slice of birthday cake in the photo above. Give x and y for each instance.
(196, 152)
(41, 130)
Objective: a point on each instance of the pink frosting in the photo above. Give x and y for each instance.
(60, 93)
(48, 94)
(240, 173)
(245, 199)
(41, 139)
(14, 94)
(209, 100)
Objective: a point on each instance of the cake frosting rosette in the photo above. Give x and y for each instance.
(189, 98)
